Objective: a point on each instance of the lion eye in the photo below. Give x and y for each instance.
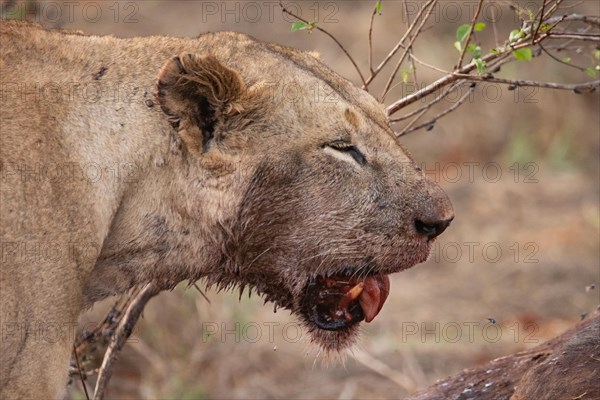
(347, 149)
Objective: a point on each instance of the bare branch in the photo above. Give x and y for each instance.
(458, 74)
(433, 120)
(427, 106)
(406, 50)
(552, 9)
(432, 87)
(124, 329)
(559, 60)
(371, 39)
(285, 10)
(576, 36)
(541, 19)
(410, 49)
(473, 21)
(581, 87)
(586, 19)
(398, 45)
(432, 67)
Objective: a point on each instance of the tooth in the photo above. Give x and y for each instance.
(355, 291)
(351, 295)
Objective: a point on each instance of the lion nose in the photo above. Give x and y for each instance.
(434, 213)
(432, 229)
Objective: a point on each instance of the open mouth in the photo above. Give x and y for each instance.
(340, 301)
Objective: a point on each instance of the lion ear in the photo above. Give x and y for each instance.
(197, 93)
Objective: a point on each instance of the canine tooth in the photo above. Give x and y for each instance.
(355, 291)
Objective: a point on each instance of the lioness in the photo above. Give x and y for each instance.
(161, 159)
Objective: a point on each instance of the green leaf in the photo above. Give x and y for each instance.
(544, 27)
(495, 51)
(378, 7)
(591, 72)
(476, 52)
(597, 53)
(404, 76)
(479, 26)
(462, 32)
(523, 54)
(515, 35)
(481, 66)
(300, 26)
(458, 46)
(566, 59)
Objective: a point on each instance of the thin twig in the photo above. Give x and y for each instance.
(586, 19)
(432, 67)
(571, 35)
(371, 40)
(553, 9)
(410, 49)
(433, 120)
(123, 331)
(427, 106)
(471, 29)
(285, 10)
(559, 60)
(413, 121)
(413, 37)
(398, 45)
(87, 396)
(201, 292)
(537, 28)
(450, 78)
(524, 83)
(384, 370)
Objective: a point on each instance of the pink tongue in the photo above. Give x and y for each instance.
(373, 296)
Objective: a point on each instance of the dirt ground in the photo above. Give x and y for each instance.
(521, 168)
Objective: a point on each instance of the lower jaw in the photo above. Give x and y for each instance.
(338, 302)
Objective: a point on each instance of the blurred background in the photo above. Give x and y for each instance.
(519, 264)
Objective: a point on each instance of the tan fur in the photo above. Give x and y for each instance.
(161, 159)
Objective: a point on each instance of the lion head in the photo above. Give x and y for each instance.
(313, 202)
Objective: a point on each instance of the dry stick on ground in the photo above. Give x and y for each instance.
(124, 330)
(286, 11)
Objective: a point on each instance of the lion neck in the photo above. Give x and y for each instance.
(163, 230)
